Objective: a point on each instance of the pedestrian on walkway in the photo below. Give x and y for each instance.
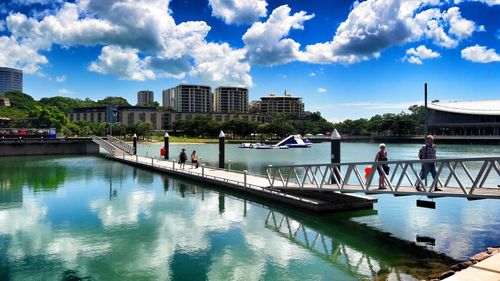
(194, 159)
(182, 158)
(428, 151)
(382, 169)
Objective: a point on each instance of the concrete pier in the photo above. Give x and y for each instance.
(27, 147)
(256, 185)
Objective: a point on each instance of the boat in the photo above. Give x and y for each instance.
(245, 145)
(261, 146)
(295, 141)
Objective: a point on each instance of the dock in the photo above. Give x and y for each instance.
(256, 185)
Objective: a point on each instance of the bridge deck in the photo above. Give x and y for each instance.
(251, 184)
(480, 193)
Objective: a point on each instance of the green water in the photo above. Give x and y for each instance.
(87, 218)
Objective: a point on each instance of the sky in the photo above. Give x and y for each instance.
(346, 59)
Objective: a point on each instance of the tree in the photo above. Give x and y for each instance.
(49, 116)
(143, 129)
(118, 101)
(65, 104)
(20, 100)
(154, 104)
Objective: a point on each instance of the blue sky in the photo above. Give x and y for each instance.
(346, 59)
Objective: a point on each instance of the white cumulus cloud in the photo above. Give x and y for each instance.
(139, 39)
(374, 25)
(61, 78)
(65, 91)
(20, 55)
(480, 54)
(417, 55)
(321, 90)
(237, 11)
(265, 41)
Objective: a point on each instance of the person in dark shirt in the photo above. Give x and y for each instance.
(428, 151)
(182, 158)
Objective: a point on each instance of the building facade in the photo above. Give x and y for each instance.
(286, 104)
(11, 80)
(465, 118)
(189, 98)
(126, 115)
(171, 117)
(145, 97)
(231, 99)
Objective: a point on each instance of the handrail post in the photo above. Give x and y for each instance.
(203, 170)
(229, 165)
(245, 178)
(173, 165)
(136, 158)
(152, 161)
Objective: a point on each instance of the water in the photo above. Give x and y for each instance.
(71, 218)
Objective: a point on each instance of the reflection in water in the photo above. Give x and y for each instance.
(354, 257)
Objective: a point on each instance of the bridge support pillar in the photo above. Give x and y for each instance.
(335, 153)
(165, 144)
(134, 142)
(221, 150)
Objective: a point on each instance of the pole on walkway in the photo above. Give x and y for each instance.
(134, 142)
(221, 150)
(166, 138)
(426, 113)
(335, 152)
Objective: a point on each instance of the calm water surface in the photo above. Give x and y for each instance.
(87, 218)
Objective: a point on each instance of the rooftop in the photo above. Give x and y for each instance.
(480, 107)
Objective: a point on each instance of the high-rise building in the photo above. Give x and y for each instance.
(287, 104)
(11, 80)
(231, 99)
(189, 98)
(145, 97)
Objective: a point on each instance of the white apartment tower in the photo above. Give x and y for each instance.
(231, 99)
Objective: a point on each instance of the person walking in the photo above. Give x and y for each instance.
(382, 169)
(428, 151)
(194, 159)
(182, 158)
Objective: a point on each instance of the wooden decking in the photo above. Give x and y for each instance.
(256, 185)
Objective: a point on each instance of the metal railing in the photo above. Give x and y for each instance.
(473, 178)
(121, 145)
(104, 144)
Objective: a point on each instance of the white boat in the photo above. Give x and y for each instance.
(295, 141)
(261, 146)
(245, 145)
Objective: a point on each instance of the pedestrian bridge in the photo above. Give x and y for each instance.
(472, 178)
(325, 187)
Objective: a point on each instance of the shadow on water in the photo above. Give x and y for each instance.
(352, 247)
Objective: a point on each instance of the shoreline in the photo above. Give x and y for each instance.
(462, 266)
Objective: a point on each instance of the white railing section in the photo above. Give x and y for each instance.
(104, 144)
(465, 177)
(127, 148)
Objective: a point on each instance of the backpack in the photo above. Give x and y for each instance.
(421, 153)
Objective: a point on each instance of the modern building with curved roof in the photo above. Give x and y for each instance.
(478, 118)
